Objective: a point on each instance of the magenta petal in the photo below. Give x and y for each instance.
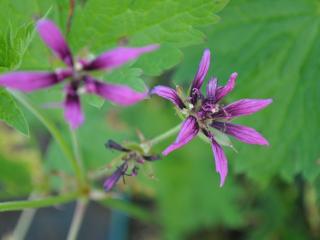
(202, 71)
(30, 81)
(220, 161)
(120, 94)
(223, 91)
(211, 89)
(72, 110)
(243, 107)
(242, 133)
(169, 94)
(189, 130)
(54, 39)
(117, 57)
(111, 181)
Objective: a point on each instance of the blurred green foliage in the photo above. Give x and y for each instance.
(270, 193)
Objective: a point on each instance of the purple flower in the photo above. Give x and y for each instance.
(77, 73)
(131, 159)
(204, 112)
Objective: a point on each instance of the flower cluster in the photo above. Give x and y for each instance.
(132, 158)
(204, 112)
(77, 72)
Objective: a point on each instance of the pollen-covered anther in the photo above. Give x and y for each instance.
(215, 108)
(78, 66)
(190, 106)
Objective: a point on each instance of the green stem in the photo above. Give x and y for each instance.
(77, 154)
(164, 136)
(77, 219)
(38, 203)
(54, 132)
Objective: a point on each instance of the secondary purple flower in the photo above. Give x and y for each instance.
(77, 72)
(204, 112)
(131, 160)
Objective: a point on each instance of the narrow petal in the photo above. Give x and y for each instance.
(114, 145)
(117, 57)
(242, 133)
(243, 107)
(111, 181)
(202, 71)
(119, 94)
(189, 130)
(223, 91)
(220, 161)
(30, 81)
(72, 110)
(54, 39)
(169, 94)
(211, 89)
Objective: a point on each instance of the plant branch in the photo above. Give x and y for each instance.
(24, 221)
(77, 219)
(77, 154)
(72, 4)
(164, 136)
(38, 203)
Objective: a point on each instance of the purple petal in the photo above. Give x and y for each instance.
(223, 91)
(117, 57)
(211, 89)
(243, 107)
(189, 130)
(120, 94)
(220, 161)
(72, 110)
(169, 94)
(114, 145)
(54, 39)
(31, 81)
(202, 71)
(114, 178)
(242, 133)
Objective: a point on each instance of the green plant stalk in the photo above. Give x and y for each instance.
(77, 218)
(55, 134)
(38, 203)
(77, 154)
(164, 136)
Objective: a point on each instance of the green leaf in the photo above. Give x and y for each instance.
(128, 76)
(274, 48)
(174, 24)
(13, 45)
(157, 62)
(11, 114)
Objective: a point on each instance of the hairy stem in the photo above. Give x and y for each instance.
(77, 219)
(54, 132)
(38, 203)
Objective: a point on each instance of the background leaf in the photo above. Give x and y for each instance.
(11, 114)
